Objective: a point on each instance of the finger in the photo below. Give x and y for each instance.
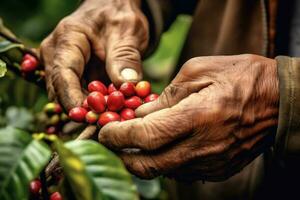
(65, 67)
(148, 133)
(123, 56)
(149, 165)
(172, 94)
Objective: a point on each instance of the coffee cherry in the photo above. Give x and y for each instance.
(111, 88)
(133, 102)
(96, 102)
(85, 104)
(35, 187)
(51, 130)
(151, 97)
(64, 117)
(54, 120)
(128, 89)
(56, 196)
(107, 117)
(98, 87)
(77, 114)
(91, 117)
(143, 89)
(29, 63)
(127, 114)
(106, 97)
(51, 108)
(115, 101)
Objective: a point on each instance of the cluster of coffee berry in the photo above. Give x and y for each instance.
(35, 188)
(107, 104)
(56, 118)
(30, 67)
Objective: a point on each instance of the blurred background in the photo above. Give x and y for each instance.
(32, 21)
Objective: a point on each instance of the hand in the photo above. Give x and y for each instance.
(213, 119)
(116, 32)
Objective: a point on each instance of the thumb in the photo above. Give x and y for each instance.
(123, 60)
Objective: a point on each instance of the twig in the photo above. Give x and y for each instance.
(53, 166)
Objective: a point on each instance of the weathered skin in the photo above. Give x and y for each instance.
(211, 121)
(115, 31)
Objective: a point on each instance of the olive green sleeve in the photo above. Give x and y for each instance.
(287, 142)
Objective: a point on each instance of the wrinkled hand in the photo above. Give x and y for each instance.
(116, 32)
(216, 116)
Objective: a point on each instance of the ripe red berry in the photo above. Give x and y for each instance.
(143, 89)
(35, 187)
(133, 102)
(77, 114)
(128, 89)
(107, 117)
(151, 97)
(51, 130)
(127, 114)
(91, 117)
(96, 102)
(85, 104)
(56, 196)
(111, 88)
(29, 64)
(115, 101)
(97, 86)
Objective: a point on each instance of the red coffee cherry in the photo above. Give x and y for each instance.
(35, 187)
(85, 104)
(91, 117)
(96, 102)
(97, 86)
(143, 89)
(151, 97)
(127, 114)
(51, 108)
(51, 130)
(56, 196)
(133, 102)
(107, 117)
(77, 114)
(111, 88)
(115, 101)
(29, 63)
(128, 89)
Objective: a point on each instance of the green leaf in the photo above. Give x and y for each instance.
(3, 69)
(6, 45)
(149, 189)
(21, 160)
(95, 172)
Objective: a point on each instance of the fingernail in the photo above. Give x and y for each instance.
(129, 74)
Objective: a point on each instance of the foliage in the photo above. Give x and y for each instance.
(3, 68)
(21, 160)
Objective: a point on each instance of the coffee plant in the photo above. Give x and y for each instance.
(57, 158)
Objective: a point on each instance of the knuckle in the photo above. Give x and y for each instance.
(144, 168)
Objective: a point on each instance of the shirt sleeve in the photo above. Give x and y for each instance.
(287, 142)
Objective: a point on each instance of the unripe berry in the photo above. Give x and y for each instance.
(115, 101)
(35, 187)
(56, 196)
(51, 108)
(91, 117)
(151, 97)
(127, 114)
(77, 114)
(128, 89)
(97, 86)
(143, 89)
(54, 120)
(107, 117)
(133, 102)
(111, 88)
(96, 102)
(29, 64)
